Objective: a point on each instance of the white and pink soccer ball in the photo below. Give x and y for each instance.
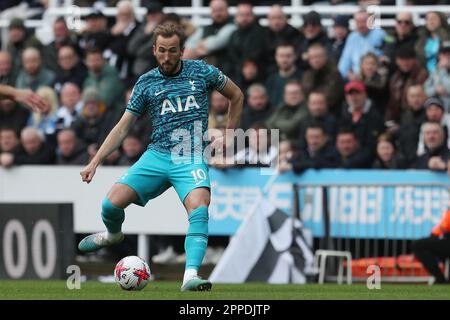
(132, 273)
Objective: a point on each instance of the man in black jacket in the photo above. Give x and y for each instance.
(349, 154)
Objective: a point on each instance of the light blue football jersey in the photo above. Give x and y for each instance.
(178, 104)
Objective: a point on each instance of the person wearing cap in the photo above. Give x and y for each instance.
(96, 33)
(409, 71)
(359, 42)
(341, 31)
(361, 115)
(434, 112)
(140, 46)
(211, 41)
(312, 32)
(18, 40)
(438, 83)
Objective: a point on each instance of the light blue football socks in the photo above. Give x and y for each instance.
(112, 216)
(196, 240)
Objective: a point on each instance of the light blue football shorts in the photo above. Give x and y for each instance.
(155, 172)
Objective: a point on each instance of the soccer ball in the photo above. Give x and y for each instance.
(132, 273)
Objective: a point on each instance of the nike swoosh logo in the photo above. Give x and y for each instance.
(158, 93)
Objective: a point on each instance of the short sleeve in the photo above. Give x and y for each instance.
(138, 103)
(215, 79)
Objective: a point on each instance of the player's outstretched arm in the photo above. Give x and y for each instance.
(23, 96)
(111, 143)
(236, 97)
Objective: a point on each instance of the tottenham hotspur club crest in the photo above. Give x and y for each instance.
(192, 82)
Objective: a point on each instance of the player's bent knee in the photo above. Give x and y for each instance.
(121, 195)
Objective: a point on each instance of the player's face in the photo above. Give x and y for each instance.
(168, 53)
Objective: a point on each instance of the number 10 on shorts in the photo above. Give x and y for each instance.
(199, 175)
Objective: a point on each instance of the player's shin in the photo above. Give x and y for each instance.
(113, 218)
(196, 240)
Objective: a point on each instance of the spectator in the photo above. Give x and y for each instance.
(218, 114)
(94, 123)
(438, 83)
(404, 35)
(361, 116)
(409, 72)
(340, 34)
(13, 115)
(348, 154)
(106, 79)
(71, 105)
(375, 78)
(434, 111)
(436, 31)
(287, 70)
(8, 74)
(258, 107)
(19, 40)
(277, 32)
(71, 69)
(210, 42)
(70, 150)
(410, 123)
(249, 75)
(312, 32)
(132, 150)
(288, 116)
(140, 46)
(45, 121)
(62, 37)
(9, 140)
(247, 42)
(359, 42)
(318, 152)
(121, 32)
(386, 155)
(286, 153)
(436, 151)
(34, 150)
(318, 114)
(323, 76)
(95, 34)
(34, 74)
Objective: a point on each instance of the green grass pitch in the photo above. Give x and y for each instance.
(167, 290)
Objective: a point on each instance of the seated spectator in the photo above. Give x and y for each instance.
(317, 114)
(95, 33)
(375, 78)
(386, 155)
(70, 68)
(34, 151)
(246, 42)
(218, 110)
(358, 43)
(94, 122)
(341, 30)
(286, 153)
(436, 151)
(9, 140)
(410, 123)
(33, 74)
(70, 150)
(258, 108)
(288, 116)
(318, 152)
(132, 150)
(106, 79)
(409, 72)
(140, 46)
(435, 31)
(287, 70)
(312, 32)
(438, 83)
(434, 112)
(249, 75)
(13, 115)
(361, 116)
(278, 31)
(349, 154)
(71, 105)
(323, 75)
(8, 74)
(210, 42)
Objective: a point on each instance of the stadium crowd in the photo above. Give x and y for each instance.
(341, 97)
